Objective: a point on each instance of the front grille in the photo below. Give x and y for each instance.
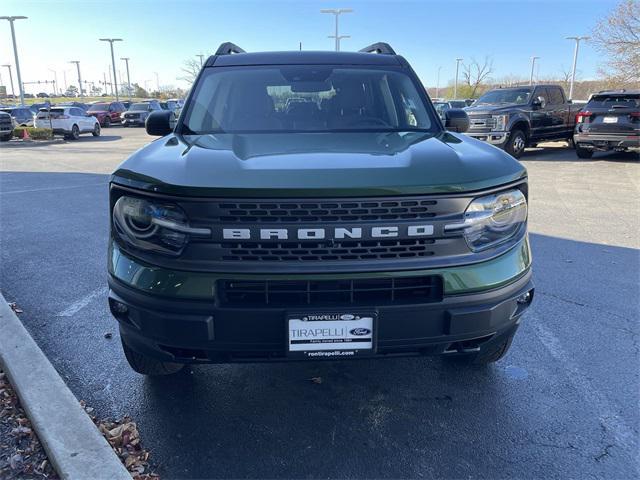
(365, 291)
(344, 250)
(349, 211)
(482, 125)
(132, 115)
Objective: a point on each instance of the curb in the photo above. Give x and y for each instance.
(74, 445)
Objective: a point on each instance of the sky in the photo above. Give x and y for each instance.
(160, 35)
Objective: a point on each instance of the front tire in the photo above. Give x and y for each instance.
(485, 356)
(516, 144)
(584, 153)
(145, 365)
(7, 137)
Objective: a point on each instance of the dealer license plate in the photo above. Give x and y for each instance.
(331, 335)
(610, 120)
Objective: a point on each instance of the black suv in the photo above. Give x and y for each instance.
(311, 205)
(609, 121)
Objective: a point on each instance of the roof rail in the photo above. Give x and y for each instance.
(380, 47)
(227, 48)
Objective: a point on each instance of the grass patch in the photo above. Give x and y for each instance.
(34, 133)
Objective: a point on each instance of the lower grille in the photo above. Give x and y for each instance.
(345, 250)
(366, 291)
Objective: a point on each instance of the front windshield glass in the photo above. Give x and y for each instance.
(306, 98)
(98, 107)
(511, 95)
(139, 106)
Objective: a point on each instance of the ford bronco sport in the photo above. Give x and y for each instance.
(312, 205)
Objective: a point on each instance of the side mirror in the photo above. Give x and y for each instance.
(456, 120)
(538, 102)
(160, 123)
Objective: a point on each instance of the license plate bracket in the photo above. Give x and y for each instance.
(331, 334)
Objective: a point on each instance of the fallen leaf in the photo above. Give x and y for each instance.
(317, 380)
(108, 335)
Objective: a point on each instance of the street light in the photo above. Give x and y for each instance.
(455, 86)
(15, 53)
(126, 61)
(533, 63)
(157, 81)
(77, 62)
(337, 12)
(201, 57)
(113, 62)
(575, 61)
(55, 81)
(438, 83)
(13, 92)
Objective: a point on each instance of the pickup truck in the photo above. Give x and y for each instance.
(519, 117)
(6, 127)
(350, 222)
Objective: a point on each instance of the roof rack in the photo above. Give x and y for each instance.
(380, 48)
(227, 48)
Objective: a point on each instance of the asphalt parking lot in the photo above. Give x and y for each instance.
(562, 404)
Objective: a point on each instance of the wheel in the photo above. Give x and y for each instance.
(7, 137)
(145, 365)
(107, 122)
(75, 133)
(96, 130)
(516, 143)
(584, 153)
(485, 356)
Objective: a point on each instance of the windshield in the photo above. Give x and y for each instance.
(512, 95)
(306, 98)
(139, 106)
(458, 104)
(615, 101)
(98, 107)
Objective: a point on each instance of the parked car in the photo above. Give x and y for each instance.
(519, 117)
(444, 105)
(171, 105)
(22, 116)
(126, 103)
(81, 105)
(357, 227)
(6, 127)
(138, 113)
(107, 112)
(68, 121)
(42, 95)
(35, 107)
(609, 121)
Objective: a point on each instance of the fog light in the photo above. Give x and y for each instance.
(119, 307)
(524, 299)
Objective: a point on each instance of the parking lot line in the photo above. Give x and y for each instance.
(78, 305)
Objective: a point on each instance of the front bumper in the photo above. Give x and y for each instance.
(137, 122)
(479, 308)
(499, 139)
(605, 142)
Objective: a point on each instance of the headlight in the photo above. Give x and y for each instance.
(500, 122)
(491, 220)
(152, 226)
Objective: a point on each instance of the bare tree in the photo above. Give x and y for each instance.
(191, 69)
(618, 37)
(476, 73)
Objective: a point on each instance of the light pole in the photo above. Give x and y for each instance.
(455, 86)
(77, 62)
(113, 62)
(126, 61)
(201, 57)
(55, 81)
(575, 62)
(337, 12)
(157, 82)
(533, 64)
(438, 83)
(13, 92)
(15, 53)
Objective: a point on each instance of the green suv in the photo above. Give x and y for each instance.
(312, 205)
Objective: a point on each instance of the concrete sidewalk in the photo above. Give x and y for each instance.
(74, 445)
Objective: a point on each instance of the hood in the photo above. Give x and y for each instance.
(136, 111)
(490, 109)
(98, 112)
(317, 164)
